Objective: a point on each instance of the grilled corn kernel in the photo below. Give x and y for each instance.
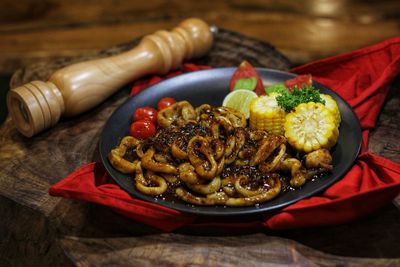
(331, 104)
(311, 126)
(265, 114)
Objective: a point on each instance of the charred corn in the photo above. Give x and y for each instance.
(265, 114)
(332, 106)
(311, 126)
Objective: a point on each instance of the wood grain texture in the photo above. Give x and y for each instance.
(303, 31)
(205, 251)
(38, 229)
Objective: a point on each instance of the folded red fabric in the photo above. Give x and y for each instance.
(362, 78)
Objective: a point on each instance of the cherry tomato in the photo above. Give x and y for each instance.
(165, 102)
(142, 129)
(145, 113)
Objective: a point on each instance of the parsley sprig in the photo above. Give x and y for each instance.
(288, 101)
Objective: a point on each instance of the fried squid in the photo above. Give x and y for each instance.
(207, 156)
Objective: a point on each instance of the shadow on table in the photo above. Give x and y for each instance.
(4, 87)
(374, 236)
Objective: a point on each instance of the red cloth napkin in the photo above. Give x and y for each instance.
(362, 78)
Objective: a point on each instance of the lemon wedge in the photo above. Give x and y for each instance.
(240, 100)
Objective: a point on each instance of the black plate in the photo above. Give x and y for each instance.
(211, 86)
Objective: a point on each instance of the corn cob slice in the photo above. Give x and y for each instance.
(331, 104)
(265, 114)
(311, 126)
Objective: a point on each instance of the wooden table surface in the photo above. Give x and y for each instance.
(33, 30)
(38, 230)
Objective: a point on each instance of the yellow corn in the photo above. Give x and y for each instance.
(265, 114)
(331, 104)
(311, 126)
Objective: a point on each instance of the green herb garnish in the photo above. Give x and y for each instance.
(276, 88)
(304, 95)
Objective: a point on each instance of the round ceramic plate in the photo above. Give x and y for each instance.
(211, 86)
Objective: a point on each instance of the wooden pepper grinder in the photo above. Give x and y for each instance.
(74, 89)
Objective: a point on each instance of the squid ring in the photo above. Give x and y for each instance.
(266, 195)
(243, 191)
(180, 110)
(142, 183)
(210, 200)
(187, 173)
(273, 165)
(228, 186)
(206, 169)
(220, 166)
(169, 177)
(177, 152)
(116, 155)
(294, 166)
(218, 148)
(149, 163)
(207, 189)
(236, 118)
(139, 150)
(227, 126)
(320, 158)
(240, 138)
(268, 146)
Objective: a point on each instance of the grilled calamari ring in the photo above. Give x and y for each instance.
(116, 155)
(218, 198)
(243, 191)
(206, 189)
(170, 178)
(320, 158)
(187, 173)
(198, 147)
(240, 139)
(179, 113)
(149, 163)
(228, 185)
(271, 166)
(221, 198)
(236, 118)
(177, 152)
(268, 145)
(222, 123)
(142, 184)
(220, 166)
(293, 165)
(267, 194)
(203, 112)
(140, 150)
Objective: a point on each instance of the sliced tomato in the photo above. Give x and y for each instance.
(142, 129)
(243, 75)
(299, 81)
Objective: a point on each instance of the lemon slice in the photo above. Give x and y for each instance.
(240, 100)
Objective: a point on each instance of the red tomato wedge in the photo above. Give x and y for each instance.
(246, 71)
(299, 81)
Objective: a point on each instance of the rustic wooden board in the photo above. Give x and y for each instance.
(37, 229)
